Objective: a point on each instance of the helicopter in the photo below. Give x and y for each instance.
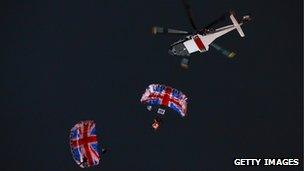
(201, 39)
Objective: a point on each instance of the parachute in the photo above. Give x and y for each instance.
(84, 145)
(157, 94)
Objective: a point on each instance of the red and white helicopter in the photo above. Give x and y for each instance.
(200, 40)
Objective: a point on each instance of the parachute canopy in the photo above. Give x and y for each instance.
(157, 94)
(83, 143)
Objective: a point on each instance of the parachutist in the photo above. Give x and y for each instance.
(84, 145)
(161, 96)
(84, 161)
(156, 123)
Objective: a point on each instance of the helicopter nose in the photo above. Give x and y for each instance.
(172, 51)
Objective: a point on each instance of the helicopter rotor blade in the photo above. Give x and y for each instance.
(210, 25)
(189, 13)
(223, 51)
(191, 18)
(221, 18)
(164, 30)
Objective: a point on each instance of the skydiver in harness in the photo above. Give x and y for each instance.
(84, 162)
(157, 122)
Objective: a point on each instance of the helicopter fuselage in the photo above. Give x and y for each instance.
(200, 42)
(187, 45)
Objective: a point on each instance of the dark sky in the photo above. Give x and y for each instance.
(66, 61)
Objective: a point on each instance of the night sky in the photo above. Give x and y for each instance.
(66, 61)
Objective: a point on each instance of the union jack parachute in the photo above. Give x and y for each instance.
(158, 94)
(84, 145)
